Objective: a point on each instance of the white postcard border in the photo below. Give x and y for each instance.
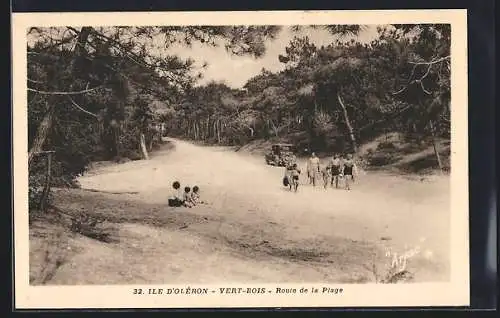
(454, 293)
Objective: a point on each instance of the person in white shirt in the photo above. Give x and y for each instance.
(313, 168)
(176, 199)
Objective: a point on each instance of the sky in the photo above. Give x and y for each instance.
(235, 71)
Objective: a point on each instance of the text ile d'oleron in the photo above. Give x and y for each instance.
(236, 291)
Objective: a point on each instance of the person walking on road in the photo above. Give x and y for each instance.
(294, 177)
(348, 171)
(335, 168)
(313, 168)
(326, 174)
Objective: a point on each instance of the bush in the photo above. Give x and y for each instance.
(37, 180)
(134, 155)
(35, 190)
(382, 159)
(91, 226)
(422, 165)
(386, 145)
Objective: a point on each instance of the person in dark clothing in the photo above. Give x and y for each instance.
(291, 178)
(335, 169)
(175, 199)
(348, 169)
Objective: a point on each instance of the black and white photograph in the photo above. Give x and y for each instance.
(242, 159)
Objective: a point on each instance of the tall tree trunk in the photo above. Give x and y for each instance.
(192, 129)
(80, 47)
(42, 131)
(434, 145)
(207, 128)
(196, 130)
(273, 126)
(116, 140)
(46, 189)
(214, 130)
(218, 130)
(150, 141)
(46, 124)
(202, 129)
(143, 147)
(222, 128)
(203, 126)
(348, 124)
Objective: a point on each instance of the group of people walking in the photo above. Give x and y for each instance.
(338, 168)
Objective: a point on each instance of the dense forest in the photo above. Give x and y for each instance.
(102, 94)
(332, 97)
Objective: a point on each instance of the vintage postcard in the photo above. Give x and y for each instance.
(240, 159)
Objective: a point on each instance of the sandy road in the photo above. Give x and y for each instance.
(259, 231)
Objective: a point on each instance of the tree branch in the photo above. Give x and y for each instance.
(400, 91)
(409, 80)
(431, 62)
(127, 52)
(415, 64)
(128, 77)
(80, 108)
(151, 90)
(33, 81)
(65, 93)
(61, 42)
(423, 88)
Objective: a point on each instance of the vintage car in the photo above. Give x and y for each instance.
(280, 155)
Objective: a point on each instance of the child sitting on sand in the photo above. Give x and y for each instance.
(186, 198)
(195, 196)
(175, 199)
